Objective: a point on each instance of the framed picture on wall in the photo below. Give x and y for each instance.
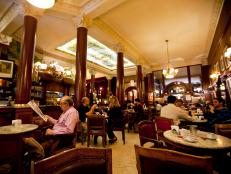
(222, 65)
(6, 69)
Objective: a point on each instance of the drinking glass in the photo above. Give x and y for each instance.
(193, 129)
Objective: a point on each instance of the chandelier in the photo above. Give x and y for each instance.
(169, 72)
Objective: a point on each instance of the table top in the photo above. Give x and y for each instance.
(200, 121)
(23, 128)
(201, 140)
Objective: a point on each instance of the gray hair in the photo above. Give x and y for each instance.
(84, 98)
(68, 100)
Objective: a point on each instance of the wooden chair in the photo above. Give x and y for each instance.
(162, 124)
(147, 132)
(119, 125)
(223, 129)
(96, 125)
(81, 161)
(163, 161)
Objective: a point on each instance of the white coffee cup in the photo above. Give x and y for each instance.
(17, 122)
(211, 136)
(200, 117)
(176, 128)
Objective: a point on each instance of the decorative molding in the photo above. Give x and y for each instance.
(9, 16)
(118, 39)
(213, 23)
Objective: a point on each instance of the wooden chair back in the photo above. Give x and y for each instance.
(96, 125)
(164, 161)
(223, 129)
(163, 124)
(147, 131)
(81, 161)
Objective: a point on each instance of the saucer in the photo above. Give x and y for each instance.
(190, 139)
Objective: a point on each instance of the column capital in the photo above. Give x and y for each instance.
(82, 21)
(92, 72)
(119, 48)
(29, 10)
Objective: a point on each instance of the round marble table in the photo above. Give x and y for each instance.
(201, 140)
(23, 128)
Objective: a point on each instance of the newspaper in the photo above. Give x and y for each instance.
(35, 107)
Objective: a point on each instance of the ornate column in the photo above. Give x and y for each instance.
(150, 85)
(139, 82)
(120, 77)
(24, 79)
(92, 84)
(81, 59)
(189, 79)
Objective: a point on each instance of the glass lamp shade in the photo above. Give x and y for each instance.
(45, 4)
(169, 72)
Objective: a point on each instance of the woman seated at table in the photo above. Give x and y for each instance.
(115, 118)
(218, 114)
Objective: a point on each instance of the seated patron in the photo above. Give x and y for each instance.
(179, 103)
(64, 125)
(115, 117)
(171, 111)
(139, 111)
(85, 110)
(218, 114)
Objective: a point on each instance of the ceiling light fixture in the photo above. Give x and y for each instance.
(169, 72)
(45, 4)
(227, 54)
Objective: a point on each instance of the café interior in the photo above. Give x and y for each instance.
(137, 51)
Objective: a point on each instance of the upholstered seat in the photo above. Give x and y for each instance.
(223, 129)
(147, 132)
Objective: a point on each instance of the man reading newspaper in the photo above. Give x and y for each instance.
(64, 125)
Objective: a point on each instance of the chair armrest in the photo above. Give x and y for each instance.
(157, 143)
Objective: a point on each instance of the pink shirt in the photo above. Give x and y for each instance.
(66, 122)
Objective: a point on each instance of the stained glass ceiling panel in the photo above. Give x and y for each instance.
(96, 53)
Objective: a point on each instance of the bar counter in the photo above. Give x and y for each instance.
(24, 112)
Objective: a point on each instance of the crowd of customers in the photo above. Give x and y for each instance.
(214, 112)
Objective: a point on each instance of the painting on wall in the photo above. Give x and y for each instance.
(6, 69)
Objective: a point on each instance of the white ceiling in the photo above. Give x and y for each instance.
(140, 26)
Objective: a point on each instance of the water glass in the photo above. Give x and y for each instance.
(193, 129)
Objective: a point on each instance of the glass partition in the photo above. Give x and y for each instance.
(195, 72)
(158, 83)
